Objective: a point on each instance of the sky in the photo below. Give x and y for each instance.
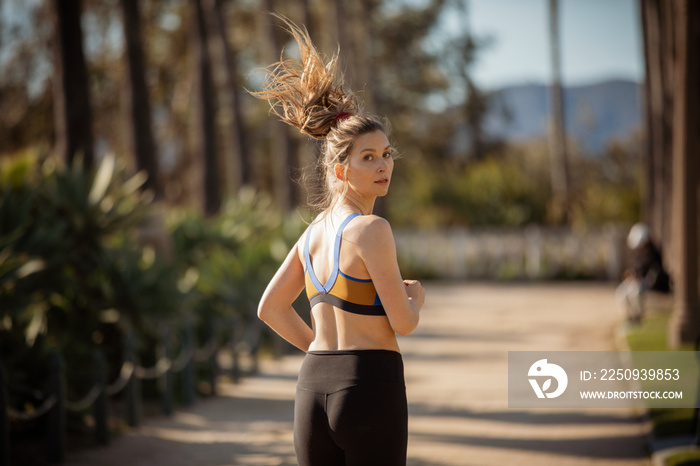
(600, 39)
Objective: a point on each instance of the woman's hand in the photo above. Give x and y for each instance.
(415, 292)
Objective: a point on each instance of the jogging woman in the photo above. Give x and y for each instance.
(350, 406)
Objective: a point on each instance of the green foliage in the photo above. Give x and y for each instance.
(686, 458)
(650, 335)
(607, 188)
(493, 191)
(224, 262)
(75, 275)
(63, 283)
(511, 188)
(601, 203)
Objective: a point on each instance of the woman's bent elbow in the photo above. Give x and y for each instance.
(405, 329)
(263, 311)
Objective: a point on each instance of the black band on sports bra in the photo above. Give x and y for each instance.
(347, 306)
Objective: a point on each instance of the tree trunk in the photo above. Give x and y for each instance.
(559, 163)
(685, 321)
(307, 20)
(72, 111)
(658, 90)
(343, 23)
(325, 32)
(242, 172)
(207, 110)
(284, 149)
(653, 105)
(141, 126)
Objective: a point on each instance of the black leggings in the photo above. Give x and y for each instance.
(350, 409)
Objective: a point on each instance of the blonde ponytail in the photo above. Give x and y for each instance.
(307, 93)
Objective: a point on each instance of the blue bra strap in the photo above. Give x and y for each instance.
(307, 259)
(336, 252)
(336, 256)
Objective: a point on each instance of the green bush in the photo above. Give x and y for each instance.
(511, 187)
(77, 271)
(686, 458)
(72, 276)
(225, 262)
(489, 192)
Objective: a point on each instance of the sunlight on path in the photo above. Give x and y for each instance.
(456, 368)
(456, 371)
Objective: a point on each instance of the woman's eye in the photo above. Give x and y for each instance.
(387, 154)
(369, 158)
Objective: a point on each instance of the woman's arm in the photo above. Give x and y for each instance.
(275, 308)
(402, 300)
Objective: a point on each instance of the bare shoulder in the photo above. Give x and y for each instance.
(370, 232)
(299, 245)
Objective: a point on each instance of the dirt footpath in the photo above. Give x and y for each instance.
(456, 372)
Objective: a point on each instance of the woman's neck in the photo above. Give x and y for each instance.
(353, 203)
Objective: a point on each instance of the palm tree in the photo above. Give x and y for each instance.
(71, 98)
(685, 322)
(238, 140)
(142, 131)
(559, 163)
(284, 148)
(207, 110)
(656, 17)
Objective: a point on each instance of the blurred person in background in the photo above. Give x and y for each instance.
(350, 406)
(646, 273)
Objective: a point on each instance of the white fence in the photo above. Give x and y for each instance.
(528, 253)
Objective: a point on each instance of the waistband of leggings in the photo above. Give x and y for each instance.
(333, 370)
(355, 352)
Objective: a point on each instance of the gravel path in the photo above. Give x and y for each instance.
(456, 372)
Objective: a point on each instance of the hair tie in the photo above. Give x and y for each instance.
(340, 117)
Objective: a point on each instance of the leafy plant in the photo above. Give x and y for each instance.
(224, 262)
(490, 192)
(69, 262)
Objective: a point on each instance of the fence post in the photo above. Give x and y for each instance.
(166, 380)
(533, 252)
(57, 414)
(188, 373)
(133, 387)
(101, 408)
(213, 364)
(4, 421)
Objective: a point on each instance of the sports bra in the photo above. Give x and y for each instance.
(350, 294)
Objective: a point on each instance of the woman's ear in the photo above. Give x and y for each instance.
(340, 172)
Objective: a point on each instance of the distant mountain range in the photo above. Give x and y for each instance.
(594, 114)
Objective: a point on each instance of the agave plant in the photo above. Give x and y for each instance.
(69, 265)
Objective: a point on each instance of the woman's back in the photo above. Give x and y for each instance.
(353, 317)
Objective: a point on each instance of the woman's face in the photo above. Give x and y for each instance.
(369, 167)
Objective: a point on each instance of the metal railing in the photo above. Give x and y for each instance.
(55, 403)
